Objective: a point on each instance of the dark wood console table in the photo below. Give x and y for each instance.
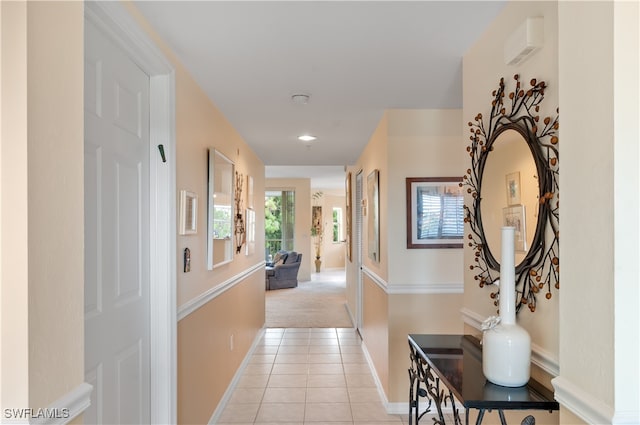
(448, 367)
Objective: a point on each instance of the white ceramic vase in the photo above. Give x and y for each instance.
(506, 347)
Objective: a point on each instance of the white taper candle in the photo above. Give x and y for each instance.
(507, 303)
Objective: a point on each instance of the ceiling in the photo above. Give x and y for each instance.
(353, 58)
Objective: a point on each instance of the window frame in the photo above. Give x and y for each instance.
(336, 222)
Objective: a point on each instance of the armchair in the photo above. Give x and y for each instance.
(284, 275)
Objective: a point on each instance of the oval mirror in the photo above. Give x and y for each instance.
(510, 193)
(513, 181)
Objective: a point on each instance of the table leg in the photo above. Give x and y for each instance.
(420, 372)
(480, 416)
(413, 402)
(503, 421)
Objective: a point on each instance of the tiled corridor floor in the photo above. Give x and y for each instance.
(307, 376)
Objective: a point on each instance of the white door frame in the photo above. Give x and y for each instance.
(358, 255)
(121, 27)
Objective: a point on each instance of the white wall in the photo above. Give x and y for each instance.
(599, 73)
(483, 66)
(422, 143)
(591, 326)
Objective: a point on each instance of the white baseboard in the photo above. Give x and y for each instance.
(397, 408)
(236, 378)
(582, 404)
(401, 408)
(66, 408)
(631, 417)
(374, 373)
(351, 318)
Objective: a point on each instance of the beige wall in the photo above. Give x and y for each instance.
(407, 143)
(416, 314)
(201, 126)
(375, 157)
(375, 328)
(206, 360)
(55, 144)
(203, 336)
(351, 265)
(302, 232)
(421, 143)
(483, 66)
(42, 202)
(14, 314)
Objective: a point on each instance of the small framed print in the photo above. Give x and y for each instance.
(188, 213)
(435, 212)
(250, 247)
(513, 188)
(514, 216)
(249, 192)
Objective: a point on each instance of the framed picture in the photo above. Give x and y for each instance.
(373, 215)
(250, 247)
(435, 212)
(513, 188)
(514, 216)
(249, 192)
(188, 213)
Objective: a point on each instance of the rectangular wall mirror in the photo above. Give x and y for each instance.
(373, 215)
(220, 210)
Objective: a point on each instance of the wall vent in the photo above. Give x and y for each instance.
(524, 41)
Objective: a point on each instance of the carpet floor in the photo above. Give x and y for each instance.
(318, 303)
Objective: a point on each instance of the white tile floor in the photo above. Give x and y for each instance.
(307, 376)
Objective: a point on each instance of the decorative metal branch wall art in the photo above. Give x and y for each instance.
(239, 226)
(517, 110)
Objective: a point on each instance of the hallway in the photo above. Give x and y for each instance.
(317, 303)
(307, 376)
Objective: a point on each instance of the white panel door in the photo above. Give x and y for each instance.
(116, 234)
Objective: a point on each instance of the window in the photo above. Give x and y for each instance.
(440, 215)
(279, 218)
(222, 222)
(337, 224)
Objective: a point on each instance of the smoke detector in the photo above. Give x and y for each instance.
(300, 98)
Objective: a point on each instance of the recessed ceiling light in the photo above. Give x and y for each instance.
(300, 98)
(307, 138)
